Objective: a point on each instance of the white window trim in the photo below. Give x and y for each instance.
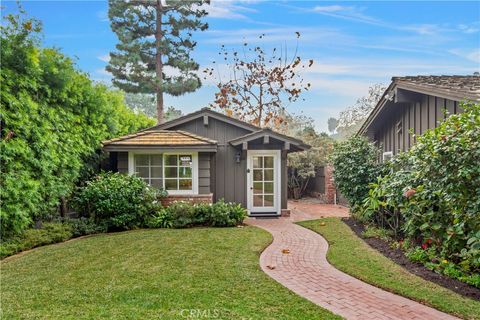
(387, 153)
(194, 190)
(277, 186)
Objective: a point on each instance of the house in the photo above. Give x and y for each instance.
(412, 105)
(206, 156)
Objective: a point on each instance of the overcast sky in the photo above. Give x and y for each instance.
(354, 44)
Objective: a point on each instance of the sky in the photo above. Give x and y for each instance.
(354, 45)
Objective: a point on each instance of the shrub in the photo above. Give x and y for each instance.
(51, 232)
(160, 219)
(431, 195)
(224, 214)
(182, 213)
(117, 201)
(355, 167)
(85, 226)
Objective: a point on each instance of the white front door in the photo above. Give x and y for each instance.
(263, 181)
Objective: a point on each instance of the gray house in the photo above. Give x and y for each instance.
(416, 104)
(205, 156)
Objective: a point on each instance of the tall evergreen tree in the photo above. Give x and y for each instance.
(155, 44)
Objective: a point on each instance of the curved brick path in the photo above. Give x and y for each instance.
(305, 271)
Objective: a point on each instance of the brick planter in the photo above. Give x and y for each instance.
(191, 198)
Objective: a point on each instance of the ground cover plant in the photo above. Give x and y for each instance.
(352, 255)
(148, 274)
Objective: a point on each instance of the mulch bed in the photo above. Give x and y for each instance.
(418, 269)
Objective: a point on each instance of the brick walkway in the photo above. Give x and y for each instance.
(305, 271)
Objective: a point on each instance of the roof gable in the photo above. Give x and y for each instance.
(209, 113)
(456, 88)
(298, 144)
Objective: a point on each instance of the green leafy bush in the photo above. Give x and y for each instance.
(224, 214)
(160, 219)
(117, 201)
(53, 121)
(51, 232)
(85, 226)
(355, 167)
(182, 213)
(432, 195)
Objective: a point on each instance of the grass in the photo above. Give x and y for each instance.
(150, 274)
(352, 255)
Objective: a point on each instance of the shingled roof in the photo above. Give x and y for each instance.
(155, 138)
(454, 87)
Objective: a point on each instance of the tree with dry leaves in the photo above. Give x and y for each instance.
(261, 85)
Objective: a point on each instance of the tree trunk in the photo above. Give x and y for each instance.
(159, 64)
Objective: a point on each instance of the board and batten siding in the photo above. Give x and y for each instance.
(204, 162)
(227, 178)
(403, 118)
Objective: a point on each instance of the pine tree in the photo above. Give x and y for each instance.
(155, 44)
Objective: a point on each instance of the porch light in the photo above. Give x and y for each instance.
(237, 157)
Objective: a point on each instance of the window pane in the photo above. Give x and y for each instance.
(185, 184)
(171, 160)
(268, 201)
(156, 159)
(142, 172)
(258, 201)
(157, 183)
(257, 175)
(171, 172)
(269, 175)
(185, 172)
(171, 184)
(257, 162)
(146, 180)
(268, 162)
(268, 187)
(156, 172)
(141, 160)
(257, 187)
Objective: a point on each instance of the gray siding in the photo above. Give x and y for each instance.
(396, 123)
(228, 179)
(204, 173)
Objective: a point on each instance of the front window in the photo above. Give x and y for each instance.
(178, 172)
(172, 172)
(149, 168)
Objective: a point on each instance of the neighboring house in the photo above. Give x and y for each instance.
(416, 104)
(206, 156)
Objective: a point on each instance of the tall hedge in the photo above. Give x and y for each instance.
(53, 119)
(356, 165)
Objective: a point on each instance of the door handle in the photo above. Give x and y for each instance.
(251, 188)
(248, 170)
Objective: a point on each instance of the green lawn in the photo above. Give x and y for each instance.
(150, 274)
(352, 255)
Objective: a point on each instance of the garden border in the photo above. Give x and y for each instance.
(398, 256)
